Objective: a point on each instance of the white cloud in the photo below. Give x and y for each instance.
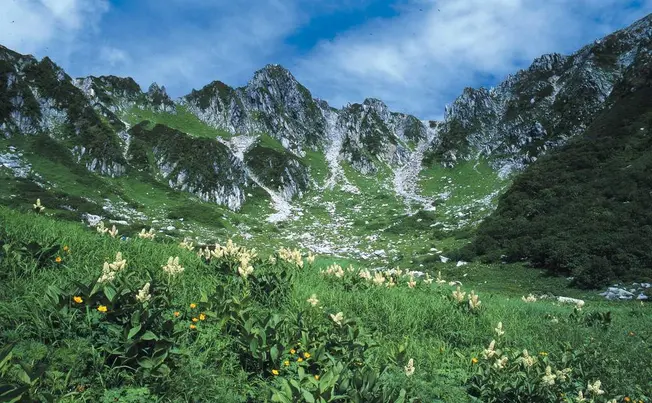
(37, 26)
(423, 58)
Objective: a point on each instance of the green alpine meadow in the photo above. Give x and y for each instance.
(256, 244)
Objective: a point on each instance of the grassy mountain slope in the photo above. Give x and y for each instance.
(584, 209)
(129, 348)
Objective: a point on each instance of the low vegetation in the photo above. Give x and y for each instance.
(88, 315)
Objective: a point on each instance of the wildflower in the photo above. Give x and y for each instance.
(306, 355)
(173, 267)
(627, 399)
(499, 329)
(119, 263)
(58, 259)
(275, 372)
(299, 359)
(501, 363)
(186, 244)
(631, 333)
(458, 295)
(195, 320)
(390, 282)
(543, 354)
(409, 369)
(78, 299)
(147, 235)
(474, 301)
(337, 318)
(313, 300)
(364, 274)
(143, 294)
(530, 298)
(102, 308)
(293, 351)
(549, 377)
(176, 314)
(412, 283)
(272, 260)
(379, 279)
(193, 306)
(595, 388)
(38, 207)
(563, 374)
(202, 317)
(474, 360)
(100, 228)
(526, 359)
(439, 279)
(427, 280)
(490, 351)
(316, 377)
(66, 248)
(579, 305)
(193, 327)
(311, 258)
(580, 397)
(291, 256)
(286, 363)
(245, 269)
(108, 275)
(113, 231)
(554, 320)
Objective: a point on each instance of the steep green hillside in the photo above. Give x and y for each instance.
(584, 210)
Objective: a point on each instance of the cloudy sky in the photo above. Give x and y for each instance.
(416, 55)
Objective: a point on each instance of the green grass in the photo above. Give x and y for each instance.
(183, 120)
(440, 338)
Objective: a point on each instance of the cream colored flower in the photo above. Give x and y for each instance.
(580, 397)
(595, 388)
(379, 279)
(313, 300)
(101, 229)
(579, 305)
(549, 377)
(337, 318)
(530, 298)
(291, 256)
(527, 360)
(409, 369)
(173, 267)
(562, 375)
(245, 269)
(146, 234)
(390, 282)
(144, 295)
(364, 274)
(499, 329)
(187, 244)
(113, 232)
(474, 301)
(439, 279)
(38, 207)
(459, 295)
(311, 258)
(428, 280)
(500, 363)
(490, 351)
(119, 263)
(412, 283)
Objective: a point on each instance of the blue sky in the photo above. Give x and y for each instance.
(416, 55)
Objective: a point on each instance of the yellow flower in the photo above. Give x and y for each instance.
(78, 299)
(627, 399)
(202, 316)
(193, 327)
(275, 372)
(195, 320)
(306, 355)
(316, 377)
(58, 259)
(293, 351)
(474, 360)
(176, 314)
(286, 363)
(543, 354)
(193, 306)
(102, 308)
(300, 359)
(66, 248)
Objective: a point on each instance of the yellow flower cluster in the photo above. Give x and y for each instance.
(109, 270)
(147, 234)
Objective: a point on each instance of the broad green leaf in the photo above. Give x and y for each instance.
(133, 331)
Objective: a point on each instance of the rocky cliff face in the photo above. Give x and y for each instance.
(538, 108)
(38, 96)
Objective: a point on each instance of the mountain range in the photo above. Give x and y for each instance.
(272, 139)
